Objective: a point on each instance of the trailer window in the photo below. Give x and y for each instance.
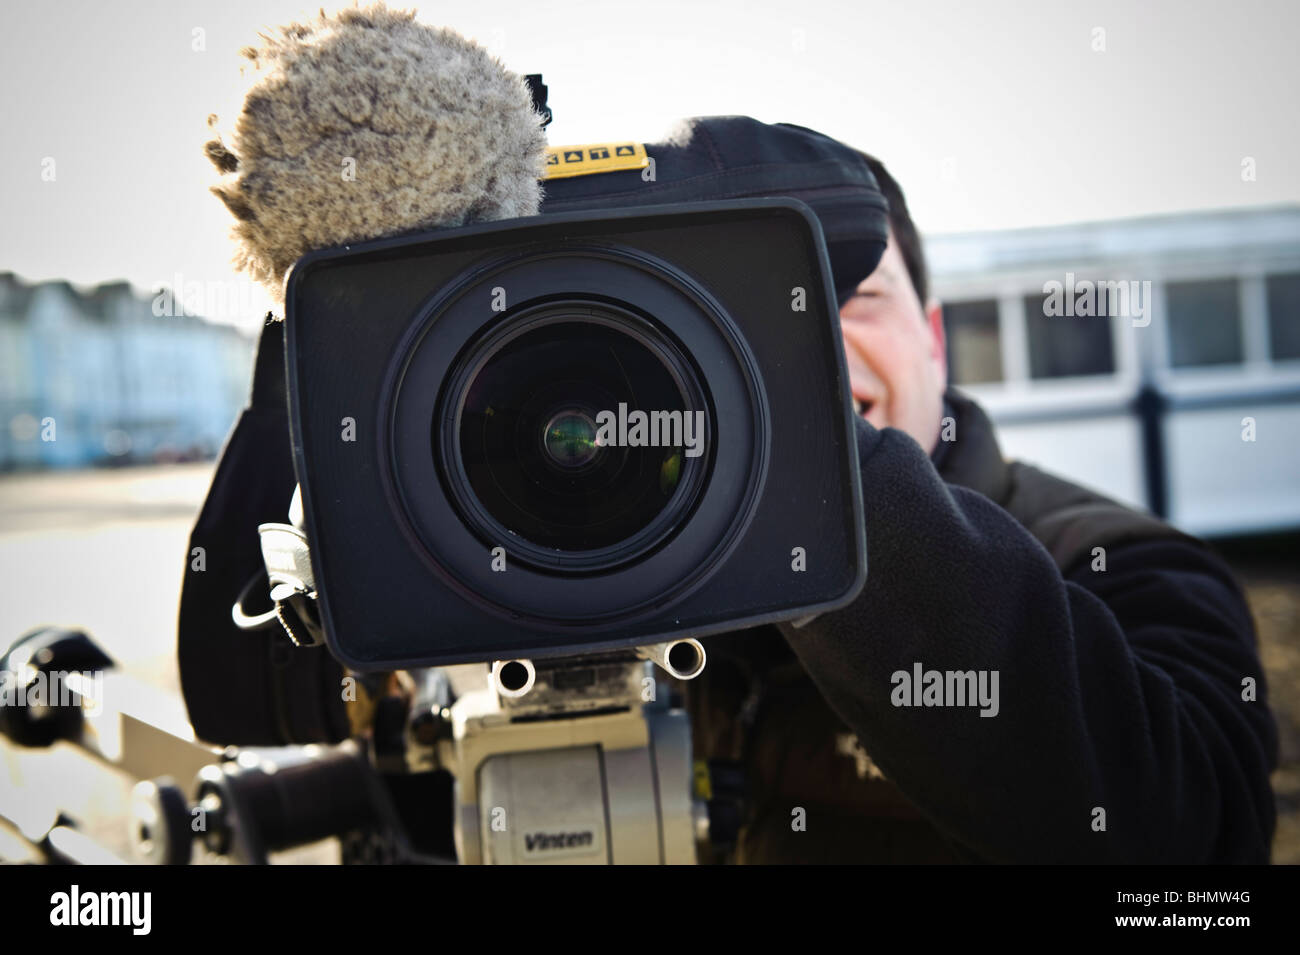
(1066, 346)
(974, 341)
(1284, 316)
(1204, 323)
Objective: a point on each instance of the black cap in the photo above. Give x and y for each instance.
(731, 157)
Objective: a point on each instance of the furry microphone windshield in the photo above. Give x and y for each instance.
(368, 124)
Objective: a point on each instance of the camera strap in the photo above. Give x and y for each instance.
(292, 584)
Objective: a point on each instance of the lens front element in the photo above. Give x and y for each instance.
(582, 431)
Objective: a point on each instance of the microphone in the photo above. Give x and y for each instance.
(367, 124)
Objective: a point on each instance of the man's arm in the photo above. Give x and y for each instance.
(1118, 690)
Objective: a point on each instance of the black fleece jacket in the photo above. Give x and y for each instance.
(1120, 690)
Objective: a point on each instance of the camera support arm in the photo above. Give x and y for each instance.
(573, 760)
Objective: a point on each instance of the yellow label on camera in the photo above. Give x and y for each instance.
(565, 161)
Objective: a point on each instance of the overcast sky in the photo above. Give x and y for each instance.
(991, 114)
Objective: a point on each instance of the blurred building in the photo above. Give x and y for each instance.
(1157, 360)
(94, 377)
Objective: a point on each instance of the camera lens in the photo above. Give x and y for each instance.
(570, 439)
(580, 432)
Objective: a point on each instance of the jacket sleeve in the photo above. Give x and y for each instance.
(1118, 690)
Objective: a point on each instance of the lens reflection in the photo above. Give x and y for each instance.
(531, 442)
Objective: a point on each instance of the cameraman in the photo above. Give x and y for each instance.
(1119, 709)
(1121, 712)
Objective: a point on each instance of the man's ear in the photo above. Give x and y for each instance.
(938, 341)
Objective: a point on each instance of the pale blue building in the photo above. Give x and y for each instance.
(95, 377)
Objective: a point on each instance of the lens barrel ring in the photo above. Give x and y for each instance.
(548, 591)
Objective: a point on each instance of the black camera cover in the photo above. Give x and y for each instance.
(410, 565)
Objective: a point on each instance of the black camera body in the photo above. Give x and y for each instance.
(579, 431)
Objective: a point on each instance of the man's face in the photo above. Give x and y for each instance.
(895, 350)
